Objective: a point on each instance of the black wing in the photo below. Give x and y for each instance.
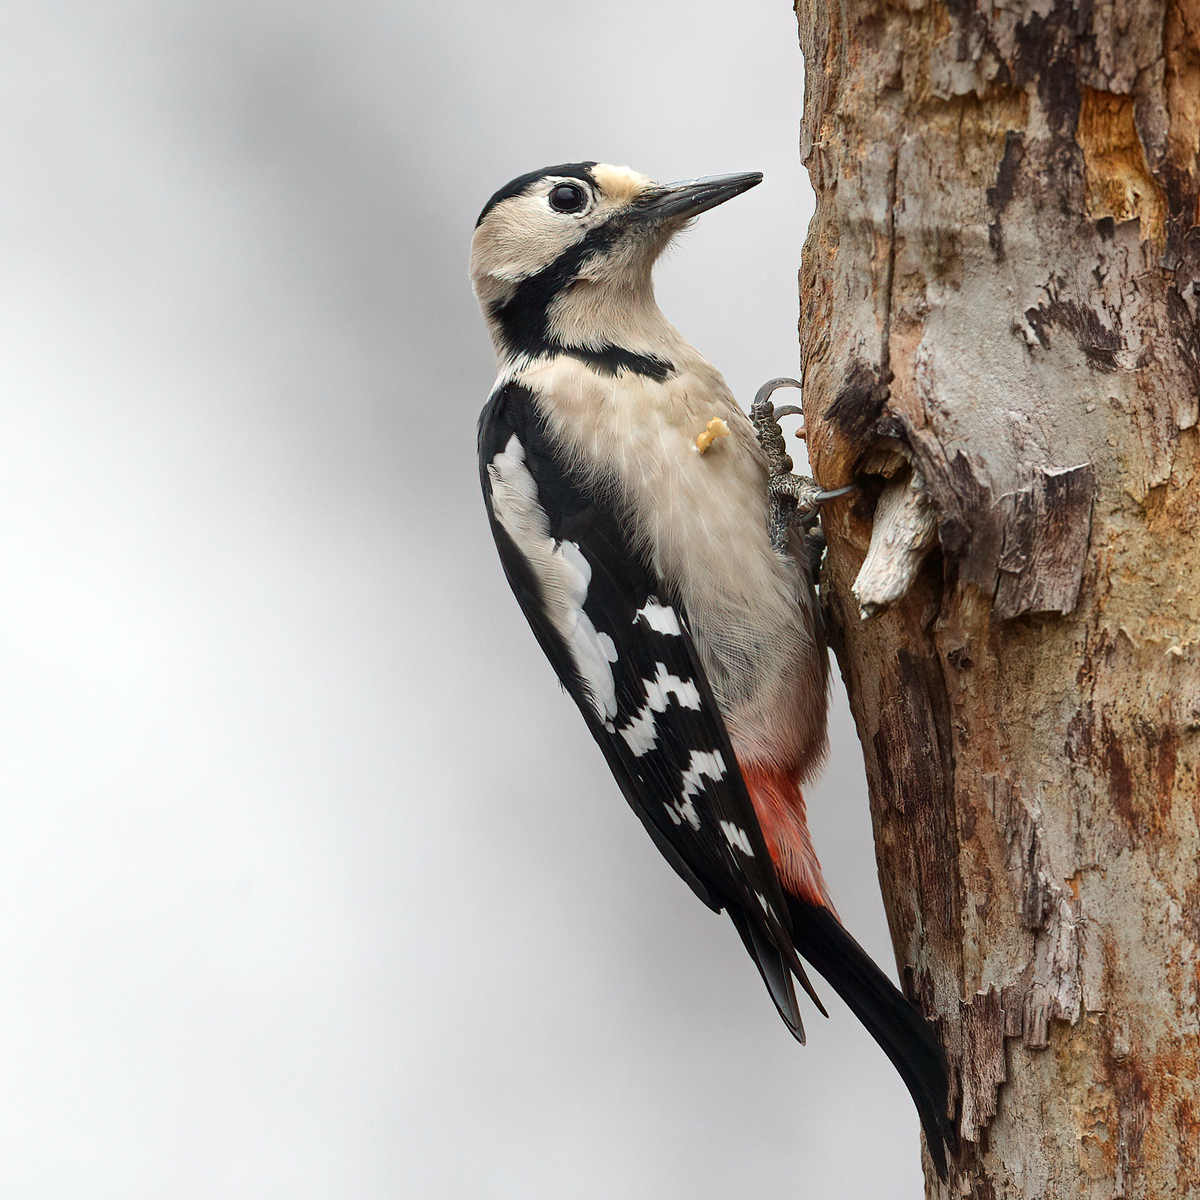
(622, 649)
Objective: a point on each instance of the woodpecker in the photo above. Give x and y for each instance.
(628, 495)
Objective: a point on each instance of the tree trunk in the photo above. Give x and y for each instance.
(1000, 342)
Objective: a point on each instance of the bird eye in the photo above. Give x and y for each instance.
(567, 198)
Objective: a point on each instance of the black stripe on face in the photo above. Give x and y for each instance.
(524, 317)
(579, 170)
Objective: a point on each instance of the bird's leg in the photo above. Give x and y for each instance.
(794, 498)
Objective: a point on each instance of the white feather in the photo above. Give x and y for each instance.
(561, 570)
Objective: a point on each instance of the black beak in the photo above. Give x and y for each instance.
(679, 201)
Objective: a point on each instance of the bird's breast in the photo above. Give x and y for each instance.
(700, 520)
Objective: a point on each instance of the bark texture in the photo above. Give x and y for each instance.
(999, 301)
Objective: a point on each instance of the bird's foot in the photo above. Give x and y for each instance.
(794, 498)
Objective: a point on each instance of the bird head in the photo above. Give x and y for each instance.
(562, 257)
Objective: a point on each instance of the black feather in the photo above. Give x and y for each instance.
(612, 360)
(775, 973)
(903, 1034)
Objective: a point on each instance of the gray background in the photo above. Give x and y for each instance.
(311, 883)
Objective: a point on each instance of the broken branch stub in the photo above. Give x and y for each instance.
(904, 532)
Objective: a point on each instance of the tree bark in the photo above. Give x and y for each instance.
(999, 323)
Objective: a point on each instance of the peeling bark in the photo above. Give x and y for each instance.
(1046, 531)
(999, 297)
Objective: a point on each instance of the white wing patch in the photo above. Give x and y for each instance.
(737, 837)
(703, 765)
(560, 569)
(640, 733)
(660, 618)
(682, 809)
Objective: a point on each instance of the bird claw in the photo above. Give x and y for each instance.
(766, 425)
(794, 498)
(805, 493)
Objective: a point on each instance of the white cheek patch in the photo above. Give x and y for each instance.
(520, 237)
(660, 618)
(640, 733)
(561, 570)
